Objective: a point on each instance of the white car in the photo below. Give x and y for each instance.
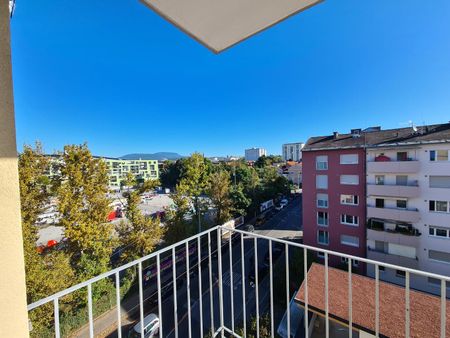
(151, 327)
(279, 207)
(284, 202)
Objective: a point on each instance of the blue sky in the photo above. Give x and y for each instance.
(116, 75)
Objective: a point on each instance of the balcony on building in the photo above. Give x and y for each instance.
(407, 215)
(398, 233)
(393, 165)
(386, 257)
(409, 190)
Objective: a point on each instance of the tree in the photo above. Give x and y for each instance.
(264, 327)
(84, 208)
(219, 193)
(195, 181)
(240, 202)
(48, 274)
(178, 225)
(171, 174)
(266, 161)
(139, 234)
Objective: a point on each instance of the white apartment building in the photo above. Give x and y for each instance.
(292, 151)
(408, 204)
(253, 154)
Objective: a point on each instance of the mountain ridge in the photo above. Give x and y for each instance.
(160, 156)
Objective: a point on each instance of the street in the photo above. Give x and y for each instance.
(284, 224)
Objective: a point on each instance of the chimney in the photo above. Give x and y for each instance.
(335, 134)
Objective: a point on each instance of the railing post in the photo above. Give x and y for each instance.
(377, 301)
(158, 271)
(256, 286)
(188, 287)
(119, 319)
(231, 279)
(56, 314)
(244, 305)
(407, 305)
(141, 299)
(272, 324)
(200, 289)
(91, 319)
(219, 257)
(443, 307)
(288, 298)
(211, 290)
(327, 318)
(350, 300)
(175, 300)
(305, 273)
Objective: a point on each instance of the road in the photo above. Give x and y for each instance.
(285, 224)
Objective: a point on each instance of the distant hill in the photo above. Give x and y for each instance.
(161, 156)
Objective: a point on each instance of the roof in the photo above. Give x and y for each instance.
(424, 313)
(372, 137)
(147, 320)
(219, 25)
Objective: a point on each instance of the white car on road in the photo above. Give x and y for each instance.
(151, 327)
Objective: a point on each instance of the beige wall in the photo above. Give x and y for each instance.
(13, 314)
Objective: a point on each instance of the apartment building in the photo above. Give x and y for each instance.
(384, 194)
(408, 202)
(292, 151)
(141, 169)
(253, 154)
(334, 204)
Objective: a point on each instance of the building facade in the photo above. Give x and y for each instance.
(408, 204)
(292, 151)
(334, 206)
(141, 169)
(253, 154)
(399, 206)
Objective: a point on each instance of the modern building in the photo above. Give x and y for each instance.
(292, 151)
(293, 171)
(253, 154)
(141, 169)
(334, 206)
(395, 183)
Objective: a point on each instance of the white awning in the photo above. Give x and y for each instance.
(220, 24)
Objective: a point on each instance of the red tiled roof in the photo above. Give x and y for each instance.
(424, 308)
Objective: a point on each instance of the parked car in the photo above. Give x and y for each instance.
(284, 202)
(151, 327)
(279, 207)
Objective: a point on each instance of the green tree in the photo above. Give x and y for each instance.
(240, 202)
(84, 208)
(50, 273)
(219, 193)
(178, 225)
(139, 234)
(194, 182)
(171, 173)
(264, 327)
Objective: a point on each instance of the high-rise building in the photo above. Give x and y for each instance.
(253, 154)
(292, 151)
(384, 194)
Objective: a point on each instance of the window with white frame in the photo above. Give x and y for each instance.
(439, 206)
(439, 182)
(349, 199)
(439, 256)
(349, 179)
(322, 218)
(439, 155)
(349, 159)
(321, 182)
(323, 237)
(439, 232)
(355, 262)
(349, 219)
(350, 240)
(322, 162)
(322, 200)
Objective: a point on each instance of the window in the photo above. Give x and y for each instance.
(439, 181)
(323, 237)
(349, 199)
(350, 240)
(436, 282)
(349, 219)
(355, 262)
(401, 180)
(439, 206)
(381, 268)
(379, 203)
(322, 200)
(400, 273)
(402, 156)
(322, 182)
(349, 159)
(438, 155)
(322, 162)
(322, 218)
(439, 232)
(379, 179)
(440, 256)
(401, 204)
(350, 179)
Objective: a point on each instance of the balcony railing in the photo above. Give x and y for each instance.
(229, 276)
(410, 215)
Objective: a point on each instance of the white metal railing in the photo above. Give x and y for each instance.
(237, 309)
